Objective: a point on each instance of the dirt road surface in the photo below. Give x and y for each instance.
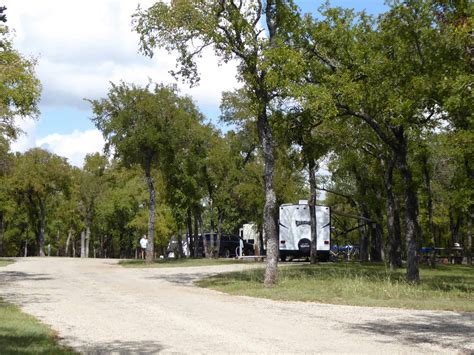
(97, 306)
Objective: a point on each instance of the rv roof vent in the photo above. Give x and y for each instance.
(303, 202)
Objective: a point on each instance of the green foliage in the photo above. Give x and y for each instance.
(19, 87)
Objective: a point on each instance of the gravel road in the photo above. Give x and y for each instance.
(97, 306)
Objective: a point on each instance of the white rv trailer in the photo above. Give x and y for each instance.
(249, 232)
(295, 231)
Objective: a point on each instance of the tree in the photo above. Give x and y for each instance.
(38, 176)
(235, 32)
(19, 87)
(139, 123)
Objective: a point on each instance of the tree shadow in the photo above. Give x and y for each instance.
(12, 276)
(449, 330)
(122, 347)
(182, 278)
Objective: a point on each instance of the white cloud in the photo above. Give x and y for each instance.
(26, 139)
(74, 146)
(83, 45)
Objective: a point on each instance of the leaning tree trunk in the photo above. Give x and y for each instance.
(41, 227)
(68, 241)
(312, 211)
(151, 213)
(270, 209)
(411, 213)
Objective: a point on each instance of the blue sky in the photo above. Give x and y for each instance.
(80, 51)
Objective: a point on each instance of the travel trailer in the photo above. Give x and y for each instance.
(295, 231)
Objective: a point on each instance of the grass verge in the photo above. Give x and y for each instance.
(163, 263)
(5, 262)
(448, 287)
(24, 334)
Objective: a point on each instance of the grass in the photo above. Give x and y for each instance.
(185, 262)
(24, 334)
(5, 262)
(448, 287)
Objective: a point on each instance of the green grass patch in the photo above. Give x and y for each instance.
(23, 334)
(185, 262)
(5, 262)
(448, 287)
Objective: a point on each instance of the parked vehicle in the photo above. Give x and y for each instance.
(295, 231)
(229, 246)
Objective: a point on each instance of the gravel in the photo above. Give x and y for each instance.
(97, 306)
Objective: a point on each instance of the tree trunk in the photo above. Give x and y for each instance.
(151, 213)
(393, 222)
(270, 209)
(205, 242)
(212, 247)
(363, 240)
(190, 235)
(42, 227)
(180, 243)
(2, 232)
(74, 247)
(219, 231)
(83, 244)
(196, 237)
(312, 211)
(411, 213)
(25, 254)
(68, 240)
(377, 251)
(87, 241)
(469, 235)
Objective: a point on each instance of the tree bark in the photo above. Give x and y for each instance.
(190, 236)
(68, 241)
(270, 209)
(393, 219)
(42, 208)
(196, 237)
(219, 231)
(312, 211)
(363, 240)
(469, 235)
(87, 241)
(151, 213)
(2, 232)
(411, 212)
(83, 244)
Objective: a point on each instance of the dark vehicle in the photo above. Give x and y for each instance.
(229, 246)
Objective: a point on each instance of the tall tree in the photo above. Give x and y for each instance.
(37, 177)
(234, 30)
(139, 123)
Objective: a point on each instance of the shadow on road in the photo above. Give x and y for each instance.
(182, 278)
(12, 276)
(447, 331)
(122, 347)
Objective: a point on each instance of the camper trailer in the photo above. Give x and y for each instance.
(295, 231)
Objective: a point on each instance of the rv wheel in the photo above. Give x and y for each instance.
(226, 253)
